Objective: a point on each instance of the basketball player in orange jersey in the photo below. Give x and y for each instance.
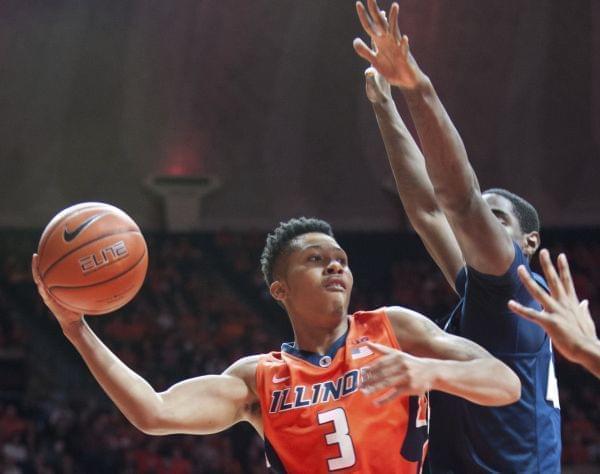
(312, 402)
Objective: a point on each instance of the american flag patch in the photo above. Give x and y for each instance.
(360, 352)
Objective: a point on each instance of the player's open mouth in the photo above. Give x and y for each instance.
(335, 284)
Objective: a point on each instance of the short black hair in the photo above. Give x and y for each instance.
(526, 214)
(278, 242)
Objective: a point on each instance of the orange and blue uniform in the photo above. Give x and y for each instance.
(316, 419)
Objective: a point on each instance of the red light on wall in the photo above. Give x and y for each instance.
(184, 159)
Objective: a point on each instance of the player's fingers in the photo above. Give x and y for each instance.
(585, 307)
(365, 20)
(535, 290)
(380, 348)
(375, 13)
(385, 367)
(528, 313)
(363, 50)
(389, 396)
(377, 383)
(565, 276)
(394, 22)
(404, 47)
(370, 79)
(584, 319)
(38, 280)
(373, 374)
(556, 287)
(34, 268)
(373, 46)
(518, 308)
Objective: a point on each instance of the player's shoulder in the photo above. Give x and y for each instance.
(507, 281)
(393, 314)
(245, 368)
(399, 318)
(404, 324)
(250, 368)
(400, 315)
(369, 315)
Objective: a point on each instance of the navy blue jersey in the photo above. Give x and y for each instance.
(520, 438)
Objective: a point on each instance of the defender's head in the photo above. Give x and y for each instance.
(305, 268)
(519, 218)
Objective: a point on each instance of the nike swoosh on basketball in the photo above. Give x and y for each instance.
(279, 379)
(68, 236)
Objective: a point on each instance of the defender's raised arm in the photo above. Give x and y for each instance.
(412, 182)
(484, 243)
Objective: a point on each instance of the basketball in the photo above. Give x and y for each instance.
(92, 258)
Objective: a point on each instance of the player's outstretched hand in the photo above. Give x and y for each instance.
(377, 88)
(63, 315)
(566, 320)
(398, 371)
(390, 54)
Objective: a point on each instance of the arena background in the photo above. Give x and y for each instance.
(107, 100)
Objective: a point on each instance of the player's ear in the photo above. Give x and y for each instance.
(278, 290)
(531, 242)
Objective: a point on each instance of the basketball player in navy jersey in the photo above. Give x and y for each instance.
(478, 240)
(566, 320)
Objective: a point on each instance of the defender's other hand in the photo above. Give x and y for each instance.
(567, 321)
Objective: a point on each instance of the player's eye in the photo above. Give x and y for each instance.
(315, 258)
(501, 217)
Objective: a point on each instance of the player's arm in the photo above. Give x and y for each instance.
(567, 321)
(200, 405)
(412, 182)
(485, 245)
(431, 359)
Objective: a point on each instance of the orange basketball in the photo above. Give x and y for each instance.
(92, 258)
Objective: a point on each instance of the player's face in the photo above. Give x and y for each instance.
(505, 213)
(316, 278)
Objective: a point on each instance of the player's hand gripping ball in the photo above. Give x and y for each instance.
(92, 258)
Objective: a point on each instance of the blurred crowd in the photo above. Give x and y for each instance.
(203, 306)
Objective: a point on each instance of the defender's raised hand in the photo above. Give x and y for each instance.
(390, 54)
(566, 320)
(377, 88)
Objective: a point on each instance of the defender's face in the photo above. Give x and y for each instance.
(504, 211)
(315, 276)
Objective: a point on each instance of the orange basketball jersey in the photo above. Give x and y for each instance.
(316, 419)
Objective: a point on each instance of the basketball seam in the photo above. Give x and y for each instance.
(43, 243)
(120, 231)
(99, 283)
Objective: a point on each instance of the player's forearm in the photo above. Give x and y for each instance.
(134, 397)
(446, 158)
(485, 381)
(407, 163)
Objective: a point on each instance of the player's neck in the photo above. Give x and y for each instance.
(318, 339)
